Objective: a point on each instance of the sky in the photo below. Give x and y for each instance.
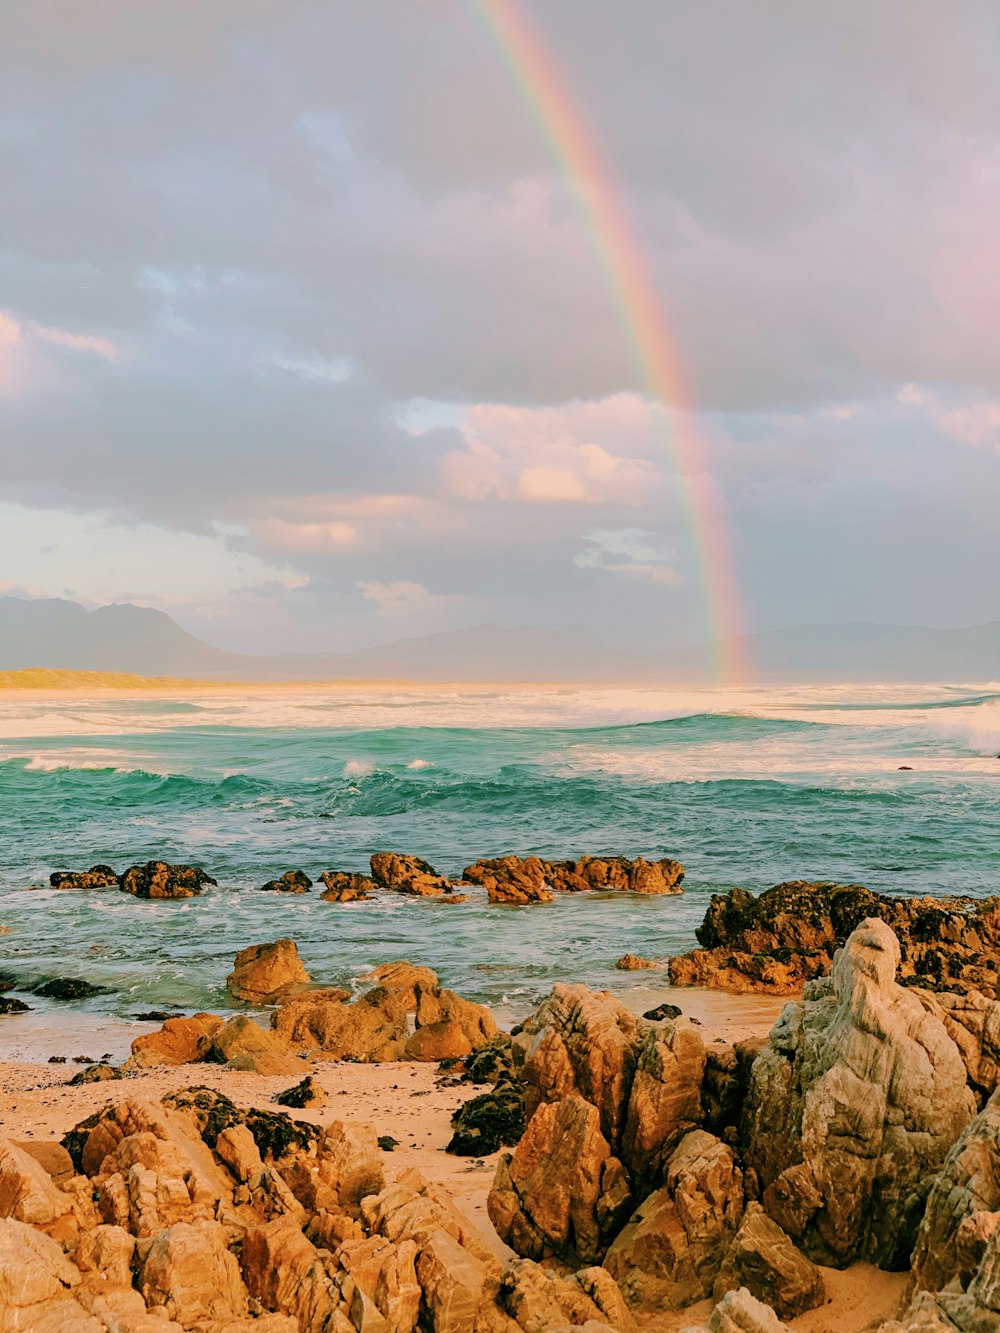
(306, 338)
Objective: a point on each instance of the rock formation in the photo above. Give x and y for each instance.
(292, 881)
(262, 971)
(516, 879)
(408, 874)
(343, 886)
(852, 1107)
(788, 935)
(97, 877)
(157, 879)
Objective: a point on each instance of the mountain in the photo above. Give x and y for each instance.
(50, 632)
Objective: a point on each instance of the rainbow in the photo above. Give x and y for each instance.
(537, 76)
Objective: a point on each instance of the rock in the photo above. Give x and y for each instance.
(262, 971)
(99, 1073)
(632, 962)
(373, 1028)
(343, 886)
(67, 988)
(178, 1042)
(52, 1157)
(488, 1122)
(109, 1251)
(243, 1044)
(292, 881)
(408, 874)
(277, 1135)
(539, 1299)
(964, 1194)
(28, 1194)
(37, 1282)
(740, 1312)
(764, 1260)
(158, 879)
(284, 1272)
(973, 1023)
(405, 981)
(561, 1193)
(449, 1027)
(378, 1283)
(453, 1283)
(308, 1093)
(725, 1083)
(347, 1168)
(788, 935)
(412, 1209)
(189, 1272)
(511, 879)
(492, 1063)
(670, 1251)
(8, 1005)
(852, 1107)
(97, 877)
(664, 1100)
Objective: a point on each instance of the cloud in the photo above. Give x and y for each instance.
(972, 421)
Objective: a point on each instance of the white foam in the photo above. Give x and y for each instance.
(419, 763)
(357, 768)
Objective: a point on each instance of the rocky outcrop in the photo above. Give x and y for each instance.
(243, 1044)
(562, 1193)
(372, 1028)
(764, 1260)
(788, 935)
(97, 877)
(853, 1105)
(262, 971)
(408, 874)
(511, 879)
(633, 962)
(448, 1027)
(669, 1253)
(292, 881)
(158, 879)
(344, 886)
(516, 879)
(177, 1042)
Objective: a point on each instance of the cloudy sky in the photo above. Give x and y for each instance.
(306, 339)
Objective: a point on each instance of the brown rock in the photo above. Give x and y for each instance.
(178, 1042)
(189, 1272)
(308, 1093)
(665, 1098)
(378, 1282)
(561, 1193)
(347, 1168)
(511, 879)
(408, 874)
(97, 877)
(615, 873)
(412, 1209)
(853, 1106)
(448, 1027)
(343, 886)
(292, 881)
(157, 879)
(108, 1251)
(633, 962)
(243, 1044)
(453, 1283)
(406, 981)
(28, 1194)
(764, 1260)
(263, 971)
(37, 1282)
(52, 1157)
(373, 1028)
(671, 1249)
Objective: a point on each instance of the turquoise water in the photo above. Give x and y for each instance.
(744, 789)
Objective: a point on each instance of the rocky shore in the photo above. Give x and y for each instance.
(393, 1162)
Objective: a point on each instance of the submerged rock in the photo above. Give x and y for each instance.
(408, 874)
(344, 886)
(262, 971)
(516, 879)
(511, 879)
(67, 988)
(292, 881)
(633, 962)
(788, 935)
(10, 1005)
(159, 879)
(97, 877)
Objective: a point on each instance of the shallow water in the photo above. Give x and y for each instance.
(745, 788)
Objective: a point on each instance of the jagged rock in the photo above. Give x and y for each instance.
(669, 1253)
(740, 1312)
(963, 1205)
(764, 1260)
(189, 1272)
(277, 1135)
(343, 886)
(178, 1042)
(725, 1083)
(412, 1209)
(51, 1157)
(486, 1123)
(405, 981)
(511, 879)
(347, 1168)
(973, 1023)
(633, 962)
(285, 1273)
(853, 1105)
(788, 935)
(308, 1093)
(408, 874)
(453, 1282)
(37, 1282)
(561, 1193)
(448, 1027)
(158, 879)
(378, 1282)
(28, 1194)
(373, 1028)
(292, 881)
(243, 1044)
(665, 1098)
(108, 1250)
(97, 877)
(262, 971)
(539, 1299)
(9, 1005)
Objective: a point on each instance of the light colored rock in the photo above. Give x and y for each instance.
(286, 1274)
(262, 971)
(405, 981)
(373, 1028)
(243, 1044)
(378, 1281)
(178, 1042)
(28, 1194)
(561, 1193)
(108, 1251)
(852, 1108)
(740, 1312)
(410, 1208)
(453, 1282)
(33, 1268)
(347, 1168)
(670, 1251)
(448, 1027)
(189, 1272)
(764, 1260)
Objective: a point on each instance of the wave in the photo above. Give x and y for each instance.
(976, 729)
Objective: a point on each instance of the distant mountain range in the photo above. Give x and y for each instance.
(50, 632)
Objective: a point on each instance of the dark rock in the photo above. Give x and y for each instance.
(493, 1063)
(154, 1016)
(344, 886)
(662, 1011)
(306, 1093)
(67, 988)
(95, 1074)
(489, 1122)
(8, 1005)
(7, 981)
(387, 1143)
(292, 881)
(97, 877)
(57, 1059)
(274, 1132)
(159, 879)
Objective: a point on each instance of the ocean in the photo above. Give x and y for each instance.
(744, 787)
